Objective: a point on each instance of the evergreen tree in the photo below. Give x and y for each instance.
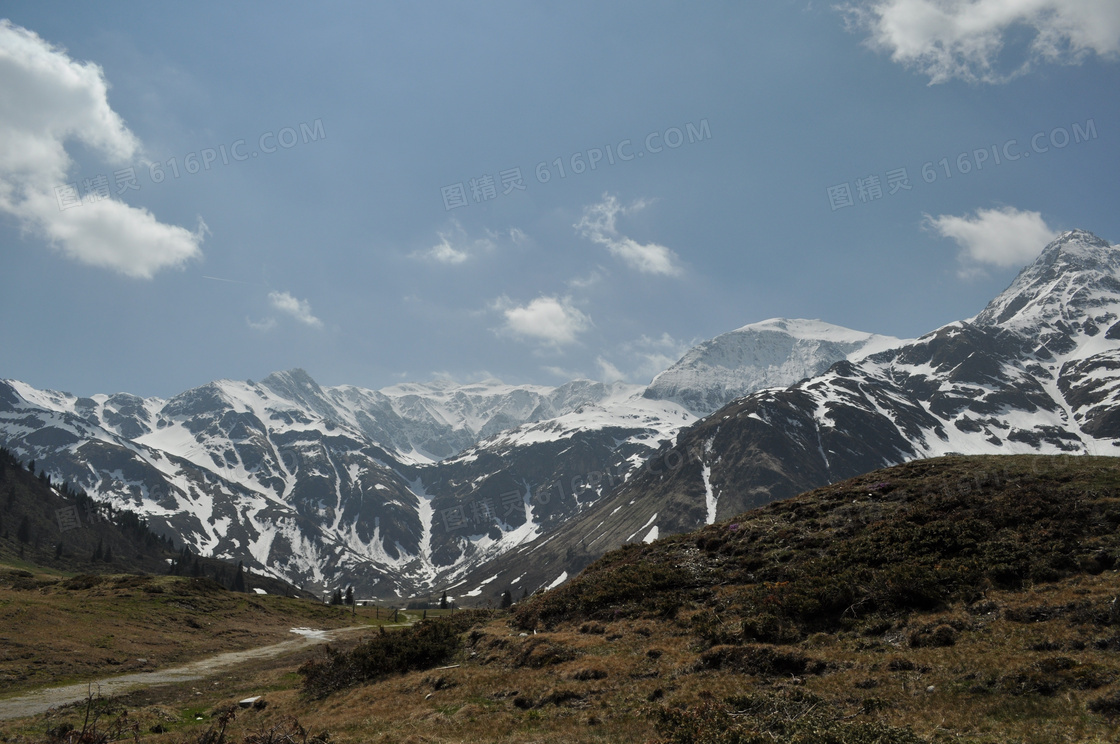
(58, 550)
(181, 565)
(524, 593)
(336, 598)
(31, 466)
(239, 579)
(349, 596)
(108, 555)
(443, 601)
(507, 600)
(97, 554)
(23, 533)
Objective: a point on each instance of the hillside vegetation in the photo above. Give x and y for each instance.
(916, 537)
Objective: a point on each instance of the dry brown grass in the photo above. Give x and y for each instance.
(605, 683)
(55, 630)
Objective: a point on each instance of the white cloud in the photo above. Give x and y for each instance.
(586, 282)
(964, 39)
(297, 308)
(551, 320)
(445, 253)
(49, 100)
(608, 372)
(598, 224)
(261, 325)
(655, 355)
(456, 247)
(1001, 237)
(564, 374)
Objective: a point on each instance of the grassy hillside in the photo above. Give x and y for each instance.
(916, 537)
(55, 629)
(965, 599)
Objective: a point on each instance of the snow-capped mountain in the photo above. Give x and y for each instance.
(773, 353)
(1037, 371)
(486, 486)
(320, 485)
(396, 490)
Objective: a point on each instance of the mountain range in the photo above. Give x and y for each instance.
(487, 486)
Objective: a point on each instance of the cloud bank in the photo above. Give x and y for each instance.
(965, 39)
(1004, 237)
(49, 100)
(553, 321)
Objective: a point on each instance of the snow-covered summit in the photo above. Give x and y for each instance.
(1076, 278)
(772, 353)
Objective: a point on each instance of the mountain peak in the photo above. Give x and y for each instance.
(1075, 278)
(298, 386)
(1077, 250)
(772, 353)
(292, 379)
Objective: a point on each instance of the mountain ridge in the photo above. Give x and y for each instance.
(479, 486)
(393, 490)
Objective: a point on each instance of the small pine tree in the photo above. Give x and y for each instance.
(507, 600)
(336, 598)
(98, 553)
(443, 601)
(239, 579)
(524, 593)
(23, 533)
(349, 596)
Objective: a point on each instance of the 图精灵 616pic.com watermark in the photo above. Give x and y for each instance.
(871, 187)
(98, 188)
(484, 187)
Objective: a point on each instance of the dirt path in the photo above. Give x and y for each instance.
(34, 703)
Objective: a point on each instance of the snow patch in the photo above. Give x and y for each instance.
(559, 580)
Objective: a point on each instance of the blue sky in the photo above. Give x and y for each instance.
(327, 229)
